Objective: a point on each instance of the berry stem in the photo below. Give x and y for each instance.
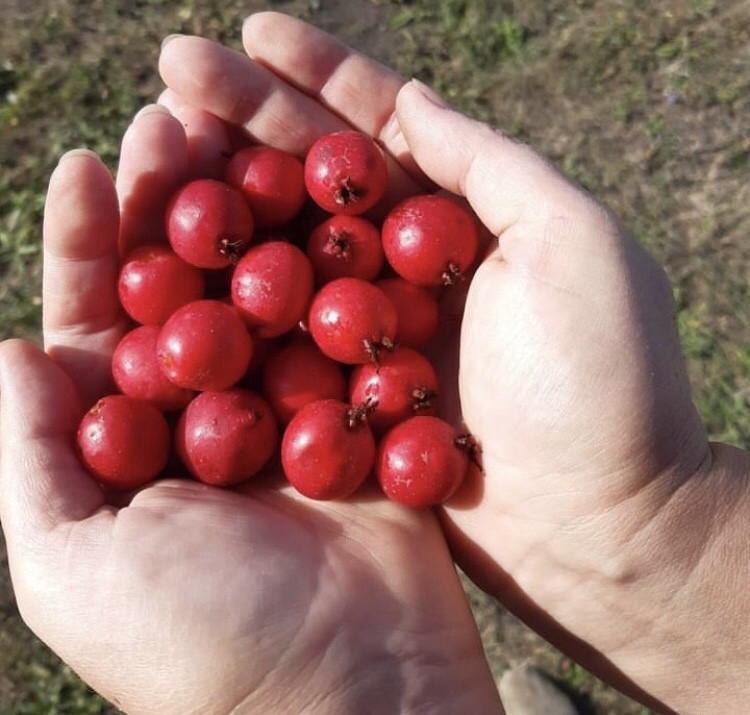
(374, 347)
(356, 415)
(451, 275)
(231, 248)
(424, 398)
(347, 194)
(468, 443)
(338, 244)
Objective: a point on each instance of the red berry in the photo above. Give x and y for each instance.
(263, 349)
(137, 373)
(352, 321)
(298, 374)
(272, 182)
(420, 462)
(154, 281)
(430, 240)
(327, 450)
(123, 441)
(272, 286)
(226, 437)
(403, 385)
(209, 223)
(204, 346)
(417, 308)
(345, 246)
(345, 172)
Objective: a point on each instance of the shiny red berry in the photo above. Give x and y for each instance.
(272, 182)
(352, 321)
(402, 385)
(272, 286)
(137, 373)
(226, 437)
(204, 346)
(327, 450)
(154, 281)
(417, 308)
(299, 373)
(345, 172)
(421, 462)
(430, 240)
(209, 223)
(123, 441)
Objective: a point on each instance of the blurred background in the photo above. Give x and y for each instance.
(645, 104)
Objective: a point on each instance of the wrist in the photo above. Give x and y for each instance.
(698, 639)
(662, 594)
(441, 673)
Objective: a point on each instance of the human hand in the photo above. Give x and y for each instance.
(594, 516)
(184, 598)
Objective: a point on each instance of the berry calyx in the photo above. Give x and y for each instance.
(345, 246)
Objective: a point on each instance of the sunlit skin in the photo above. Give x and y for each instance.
(603, 517)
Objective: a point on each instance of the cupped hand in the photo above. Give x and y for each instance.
(593, 518)
(187, 598)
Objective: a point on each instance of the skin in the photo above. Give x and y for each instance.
(604, 516)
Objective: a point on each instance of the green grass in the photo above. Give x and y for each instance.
(43, 685)
(466, 43)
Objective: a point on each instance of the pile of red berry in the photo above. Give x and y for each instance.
(257, 341)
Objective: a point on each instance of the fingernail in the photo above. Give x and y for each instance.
(150, 109)
(391, 129)
(169, 39)
(430, 94)
(73, 153)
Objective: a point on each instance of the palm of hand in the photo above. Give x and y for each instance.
(558, 370)
(233, 595)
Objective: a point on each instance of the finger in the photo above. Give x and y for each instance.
(171, 100)
(208, 147)
(235, 136)
(351, 85)
(244, 93)
(505, 182)
(153, 164)
(82, 321)
(42, 484)
(226, 83)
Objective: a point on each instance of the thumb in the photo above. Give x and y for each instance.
(42, 483)
(505, 181)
